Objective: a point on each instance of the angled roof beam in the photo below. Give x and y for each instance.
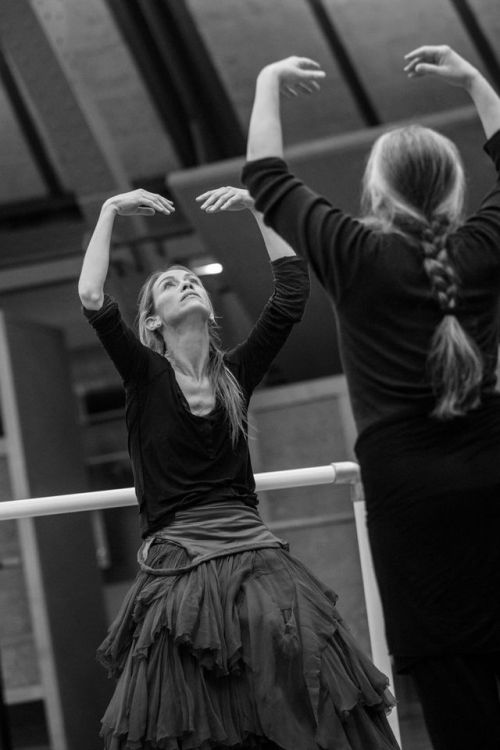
(76, 135)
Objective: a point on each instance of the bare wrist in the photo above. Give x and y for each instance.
(472, 79)
(269, 74)
(109, 207)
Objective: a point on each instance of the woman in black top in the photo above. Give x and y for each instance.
(224, 639)
(416, 290)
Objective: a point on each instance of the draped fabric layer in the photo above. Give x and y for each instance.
(243, 649)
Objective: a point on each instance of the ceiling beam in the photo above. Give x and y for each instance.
(76, 134)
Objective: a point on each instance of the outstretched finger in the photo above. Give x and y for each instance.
(312, 75)
(428, 52)
(208, 202)
(418, 52)
(220, 200)
(207, 198)
(212, 191)
(203, 196)
(423, 69)
(210, 196)
(167, 202)
(157, 204)
(149, 205)
(307, 87)
(226, 205)
(410, 68)
(163, 205)
(213, 200)
(307, 62)
(411, 65)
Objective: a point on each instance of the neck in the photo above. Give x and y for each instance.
(188, 349)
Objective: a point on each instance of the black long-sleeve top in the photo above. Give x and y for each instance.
(385, 309)
(180, 459)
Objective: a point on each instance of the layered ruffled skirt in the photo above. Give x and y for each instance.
(243, 649)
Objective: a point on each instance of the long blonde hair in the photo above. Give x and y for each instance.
(414, 185)
(226, 388)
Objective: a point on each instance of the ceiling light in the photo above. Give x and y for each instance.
(209, 269)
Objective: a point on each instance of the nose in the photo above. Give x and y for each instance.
(187, 283)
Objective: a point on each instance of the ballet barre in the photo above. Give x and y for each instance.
(336, 473)
(344, 472)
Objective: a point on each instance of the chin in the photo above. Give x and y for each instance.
(192, 307)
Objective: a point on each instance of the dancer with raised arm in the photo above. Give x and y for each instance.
(224, 639)
(416, 290)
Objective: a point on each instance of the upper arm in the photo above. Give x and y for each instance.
(331, 240)
(483, 227)
(285, 307)
(129, 356)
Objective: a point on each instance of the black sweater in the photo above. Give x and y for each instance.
(385, 309)
(180, 459)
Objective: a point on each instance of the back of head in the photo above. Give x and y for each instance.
(413, 174)
(414, 185)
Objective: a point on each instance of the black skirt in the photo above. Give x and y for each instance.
(244, 650)
(432, 493)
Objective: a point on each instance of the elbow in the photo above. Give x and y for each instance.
(91, 299)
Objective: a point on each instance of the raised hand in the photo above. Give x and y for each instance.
(225, 199)
(96, 261)
(440, 61)
(297, 75)
(140, 202)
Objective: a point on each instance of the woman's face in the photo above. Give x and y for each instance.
(179, 293)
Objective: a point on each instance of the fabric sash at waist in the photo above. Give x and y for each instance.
(208, 531)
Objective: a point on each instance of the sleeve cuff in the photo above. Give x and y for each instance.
(94, 315)
(254, 166)
(492, 148)
(286, 260)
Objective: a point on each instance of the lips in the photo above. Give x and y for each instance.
(190, 294)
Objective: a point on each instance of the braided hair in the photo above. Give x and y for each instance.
(454, 361)
(414, 186)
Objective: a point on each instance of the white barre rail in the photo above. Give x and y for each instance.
(344, 472)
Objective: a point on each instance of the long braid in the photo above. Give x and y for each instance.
(454, 361)
(442, 275)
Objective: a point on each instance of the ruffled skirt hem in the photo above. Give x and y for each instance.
(243, 651)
